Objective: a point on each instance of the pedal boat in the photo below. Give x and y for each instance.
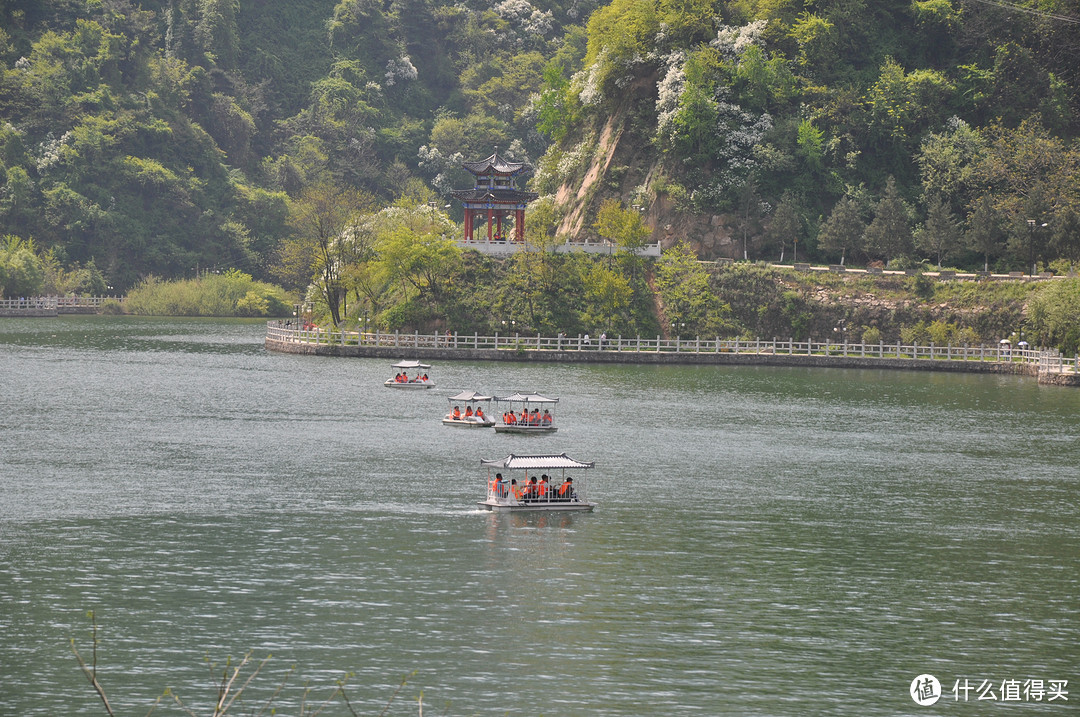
(405, 367)
(470, 399)
(545, 418)
(501, 496)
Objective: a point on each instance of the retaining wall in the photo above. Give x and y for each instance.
(650, 357)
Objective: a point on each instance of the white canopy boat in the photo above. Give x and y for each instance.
(535, 490)
(473, 416)
(402, 379)
(536, 414)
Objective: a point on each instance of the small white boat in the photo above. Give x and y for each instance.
(527, 413)
(403, 380)
(472, 416)
(535, 490)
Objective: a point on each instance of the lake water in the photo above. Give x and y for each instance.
(768, 541)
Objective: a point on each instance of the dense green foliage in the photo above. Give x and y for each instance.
(895, 131)
(169, 136)
(230, 294)
(164, 138)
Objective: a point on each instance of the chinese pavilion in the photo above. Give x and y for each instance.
(495, 198)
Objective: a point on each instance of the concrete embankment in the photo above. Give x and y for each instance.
(392, 353)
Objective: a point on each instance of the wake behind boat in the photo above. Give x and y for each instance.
(403, 380)
(527, 413)
(535, 490)
(473, 415)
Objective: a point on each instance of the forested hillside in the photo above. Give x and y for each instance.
(169, 136)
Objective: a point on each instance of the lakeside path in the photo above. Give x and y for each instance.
(1047, 366)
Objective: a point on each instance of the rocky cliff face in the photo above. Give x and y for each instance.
(625, 165)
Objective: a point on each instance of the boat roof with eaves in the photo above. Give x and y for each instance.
(498, 165)
(536, 462)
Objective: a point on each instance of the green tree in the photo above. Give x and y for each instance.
(1054, 315)
(607, 296)
(844, 230)
(984, 234)
(889, 232)
(786, 226)
(21, 271)
(622, 227)
(415, 249)
(683, 287)
(946, 162)
(940, 234)
(1065, 237)
(558, 109)
(320, 217)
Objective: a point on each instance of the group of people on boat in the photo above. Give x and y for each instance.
(478, 414)
(527, 418)
(533, 491)
(403, 377)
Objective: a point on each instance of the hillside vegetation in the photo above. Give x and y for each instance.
(312, 143)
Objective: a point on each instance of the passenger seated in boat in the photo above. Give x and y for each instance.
(532, 490)
(566, 490)
(546, 418)
(515, 489)
(456, 414)
(479, 413)
(543, 488)
(534, 419)
(499, 486)
(468, 412)
(425, 379)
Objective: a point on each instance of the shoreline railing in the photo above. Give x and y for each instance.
(53, 305)
(1046, 360)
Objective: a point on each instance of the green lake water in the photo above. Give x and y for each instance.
(768, 541)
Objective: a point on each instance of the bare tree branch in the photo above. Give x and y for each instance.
(91, 672)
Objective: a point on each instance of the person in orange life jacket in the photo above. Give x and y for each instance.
(515, 489)
(566, 490)
(547, 418)
(457, 413)
(532, 491)
(543, 487)
(534, 419)
(500, 486)
(479, 413)
(468, 412)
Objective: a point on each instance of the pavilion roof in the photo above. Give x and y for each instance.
(497, 165)
(499, 196)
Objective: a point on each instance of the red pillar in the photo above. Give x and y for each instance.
(519, 224)
(491, 215)
(468, 223)
(498, 225)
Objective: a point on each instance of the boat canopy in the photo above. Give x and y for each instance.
(527, 398)
(410, 364)
(534, 462)
(470, 396)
